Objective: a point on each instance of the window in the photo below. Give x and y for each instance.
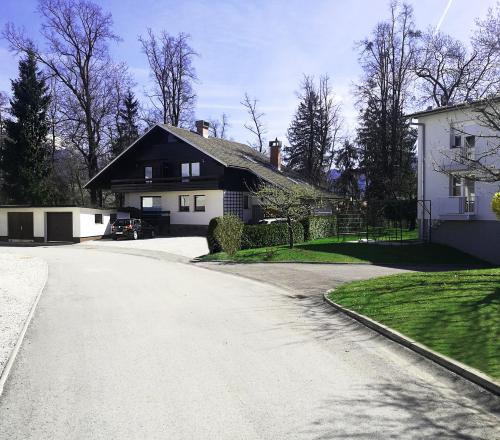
(112, 218)
(184, 203)
(470, 143)
(457, 141)
(148, 174)
(245, 202)
(98, 219)
(151, 203)
(455, 186)
(190, 170)
(199, 203)
(195, 169)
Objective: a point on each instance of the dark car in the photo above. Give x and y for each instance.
(131, 228)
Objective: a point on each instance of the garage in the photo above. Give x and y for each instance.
(20, 225)
(59, 226)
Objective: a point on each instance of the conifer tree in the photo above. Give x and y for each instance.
(346, 159)
(25, 156)
(128, 123)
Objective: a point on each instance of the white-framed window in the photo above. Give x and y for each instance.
(462, 187)
(151, 203)
(195, 169)
(199, 203)
(184, 203)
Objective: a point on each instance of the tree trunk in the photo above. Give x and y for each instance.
(290, 232)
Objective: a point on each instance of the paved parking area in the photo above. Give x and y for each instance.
(189, 247)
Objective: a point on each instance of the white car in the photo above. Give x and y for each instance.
(268, 221)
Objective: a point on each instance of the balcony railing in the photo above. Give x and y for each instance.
(457, 206)
(165, 183)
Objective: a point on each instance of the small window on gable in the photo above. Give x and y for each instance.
(195, 169)
(148, 174)
(98, 219)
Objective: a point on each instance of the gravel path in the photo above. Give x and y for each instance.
(21, 278)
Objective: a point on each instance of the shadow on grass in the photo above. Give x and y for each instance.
(410, 254)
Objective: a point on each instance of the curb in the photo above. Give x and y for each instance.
(462, 370)
(4, 374)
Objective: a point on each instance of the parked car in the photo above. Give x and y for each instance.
(131, 228)
(268, 221)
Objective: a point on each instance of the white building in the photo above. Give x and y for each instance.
(53, 224)
(460, 206)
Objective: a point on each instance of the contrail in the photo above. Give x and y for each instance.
(440, 22)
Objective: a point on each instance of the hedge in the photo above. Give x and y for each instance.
(256, 236)
(224, 234)
(319, 226)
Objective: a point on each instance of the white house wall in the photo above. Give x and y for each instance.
(437, 138)
(83, 220)
(87, 227)
(170, 202)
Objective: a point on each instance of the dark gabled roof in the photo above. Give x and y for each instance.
(236, 155)
(230, 154)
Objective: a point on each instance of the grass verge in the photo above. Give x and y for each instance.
(455, 313)
(332, 250)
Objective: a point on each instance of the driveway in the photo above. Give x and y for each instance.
(186, 247)
(125, 346)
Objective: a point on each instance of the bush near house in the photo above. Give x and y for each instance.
(319, 227)
(224, 234)
(255, 236)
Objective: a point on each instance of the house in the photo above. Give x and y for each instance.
(179, 179)
(458, 205)
(53, 223)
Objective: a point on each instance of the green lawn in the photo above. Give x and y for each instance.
(454, 313)
(334, 250)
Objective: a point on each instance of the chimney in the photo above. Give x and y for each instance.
(202, 128)
(275, 154)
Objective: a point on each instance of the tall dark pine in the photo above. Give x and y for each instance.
(301, 153)
(25, 157)
(346, 159)
(128, 124)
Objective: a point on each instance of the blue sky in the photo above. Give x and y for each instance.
(262, 47)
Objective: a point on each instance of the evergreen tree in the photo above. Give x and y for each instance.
(346, 159)
(128, 123)
(385, 137)
(25, 156)
(313, 131)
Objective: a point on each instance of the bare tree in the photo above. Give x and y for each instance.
(171, 62)
(451, 74)
(256, 127)
(218, 127)
(385, 138)
(77, 34)
(468, 161)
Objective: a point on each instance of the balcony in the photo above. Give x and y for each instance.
(165, 184)
(457, 208)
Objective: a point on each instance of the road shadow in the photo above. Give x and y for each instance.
(386, 410)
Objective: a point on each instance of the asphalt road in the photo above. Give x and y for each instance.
(135, 347)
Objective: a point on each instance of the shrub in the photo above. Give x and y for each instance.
(319, 227)
(224, 234)
(495, 204)
(255, 236)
